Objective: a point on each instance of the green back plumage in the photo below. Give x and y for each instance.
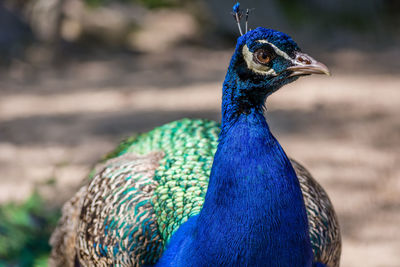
(189, 147)
(141, 193)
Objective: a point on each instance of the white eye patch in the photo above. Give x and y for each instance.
(259, 68)
(254, 66)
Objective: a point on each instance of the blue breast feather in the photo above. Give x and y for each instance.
(253, 214)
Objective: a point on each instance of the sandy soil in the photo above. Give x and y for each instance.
(55, 122)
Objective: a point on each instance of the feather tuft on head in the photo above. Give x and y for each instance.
(237, 15)
(236, 8)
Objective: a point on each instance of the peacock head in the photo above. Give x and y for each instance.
(265, 60)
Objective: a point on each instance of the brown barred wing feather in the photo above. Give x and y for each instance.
(111, 220)
(322, 219)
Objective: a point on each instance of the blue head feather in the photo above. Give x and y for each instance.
(253, 214)
(236, 8)
(245, 90)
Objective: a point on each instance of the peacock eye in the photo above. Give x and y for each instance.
(263, 56)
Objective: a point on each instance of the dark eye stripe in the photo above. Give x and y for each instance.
(276, 50)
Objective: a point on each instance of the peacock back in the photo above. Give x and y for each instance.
(149, 186)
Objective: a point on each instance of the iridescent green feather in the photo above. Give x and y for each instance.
(189, 147)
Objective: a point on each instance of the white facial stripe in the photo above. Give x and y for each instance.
(257, 68)
(277, 50)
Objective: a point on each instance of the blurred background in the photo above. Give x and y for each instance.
(78, 76)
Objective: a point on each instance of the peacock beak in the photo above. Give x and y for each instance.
(303, 64)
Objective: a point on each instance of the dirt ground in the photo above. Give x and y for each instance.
(56, 121)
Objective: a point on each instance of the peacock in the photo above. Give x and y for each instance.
(194, 192)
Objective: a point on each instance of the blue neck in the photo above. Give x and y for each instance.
(253, 214)
(241, 96)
